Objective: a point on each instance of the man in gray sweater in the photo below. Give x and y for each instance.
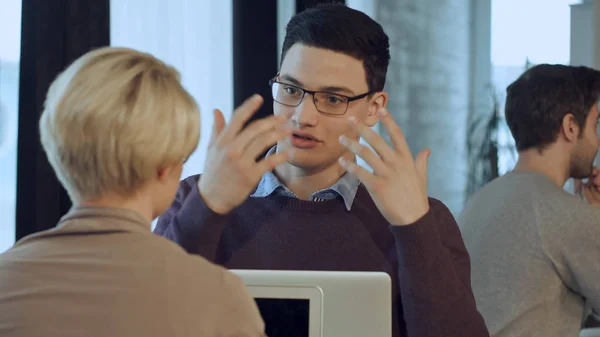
(535, 248)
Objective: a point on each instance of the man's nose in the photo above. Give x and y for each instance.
(306, 113)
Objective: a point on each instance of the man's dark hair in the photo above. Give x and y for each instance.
(342, 29)
(538, 101)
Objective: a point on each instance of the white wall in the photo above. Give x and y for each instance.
(481, 56)
(582, 34)
(285, 10)
(585, 34)
(596, 39)
(585, 42)
(429, 82)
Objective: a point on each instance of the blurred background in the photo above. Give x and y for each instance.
(451, 63)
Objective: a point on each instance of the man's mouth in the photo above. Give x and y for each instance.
(303, 141)
(303, 137)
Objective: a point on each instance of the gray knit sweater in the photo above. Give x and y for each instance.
(535, 252)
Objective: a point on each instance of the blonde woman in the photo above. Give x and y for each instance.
(117, 127)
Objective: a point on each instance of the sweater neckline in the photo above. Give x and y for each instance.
(298, 205)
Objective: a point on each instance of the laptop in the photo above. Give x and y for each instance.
(321, 303)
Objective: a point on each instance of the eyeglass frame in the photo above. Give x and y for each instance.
(306, 91)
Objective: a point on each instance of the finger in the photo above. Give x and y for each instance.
(378, 166)
(366, 177)
(422, 163)
(595, 177)
(382, 148)
(218, 126)
(396, 134)
(258, 128)
(587, 193)
(577, 186)
(264, 142)
(271, 162)
(240, 116)
(593, 190)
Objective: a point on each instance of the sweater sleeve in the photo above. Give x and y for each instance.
(573, 246)
(435, 277)
(191, 223)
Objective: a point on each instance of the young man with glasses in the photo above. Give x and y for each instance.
(307, 205)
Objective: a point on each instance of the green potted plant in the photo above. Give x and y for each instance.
(486, 145)
(488, 141)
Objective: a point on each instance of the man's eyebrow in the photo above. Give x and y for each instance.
(334, 89)
(331, 89)
(291, 79)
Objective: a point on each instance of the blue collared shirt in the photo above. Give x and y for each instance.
(345, 188)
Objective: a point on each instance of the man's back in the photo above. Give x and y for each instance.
(101, 273)
(534, 250)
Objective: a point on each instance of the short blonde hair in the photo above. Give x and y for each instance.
(113, 118)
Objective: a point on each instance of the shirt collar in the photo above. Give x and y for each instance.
(346, 187)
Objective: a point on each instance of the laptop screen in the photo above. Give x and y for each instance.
(285, 317)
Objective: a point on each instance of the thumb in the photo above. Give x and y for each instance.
(422, 163)
(218, 126)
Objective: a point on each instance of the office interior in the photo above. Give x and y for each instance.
(459, 55)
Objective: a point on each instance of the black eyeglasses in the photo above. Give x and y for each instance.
(326, 103)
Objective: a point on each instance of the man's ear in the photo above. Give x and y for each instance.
(379, 100)
(570, 128)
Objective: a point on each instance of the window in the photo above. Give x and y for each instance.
(368, 7)
(194, 36)
(525, 32)
(10, 45)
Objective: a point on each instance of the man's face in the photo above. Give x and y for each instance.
(323, 70)
(584, 153)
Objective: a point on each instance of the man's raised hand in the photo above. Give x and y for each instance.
(231, 170)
